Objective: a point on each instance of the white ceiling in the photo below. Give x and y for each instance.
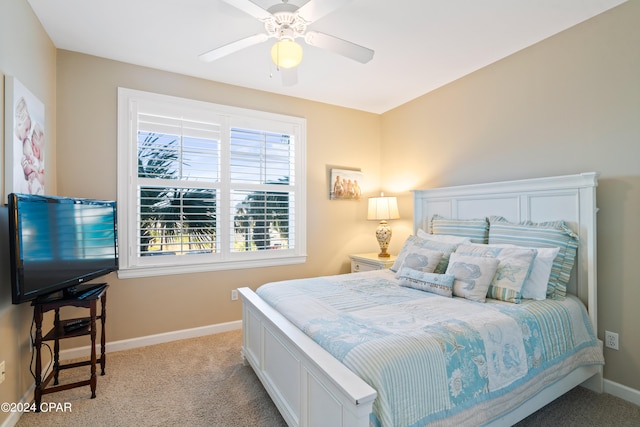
(419, 45)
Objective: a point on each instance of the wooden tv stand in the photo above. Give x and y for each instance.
(60, 331)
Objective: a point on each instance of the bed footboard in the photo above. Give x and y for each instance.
(307, 384)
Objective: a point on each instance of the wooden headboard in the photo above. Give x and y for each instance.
(571, 198)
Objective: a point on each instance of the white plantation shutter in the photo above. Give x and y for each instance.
(178, 181)
(259, 157)
(203, 194)
(262, 182)
(195, 145)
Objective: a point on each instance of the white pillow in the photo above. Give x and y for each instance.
(535, 287)
(446, 238)
(473, 275)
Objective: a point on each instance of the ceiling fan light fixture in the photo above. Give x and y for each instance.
(286, 53)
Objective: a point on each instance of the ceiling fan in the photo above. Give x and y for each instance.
(286, 23)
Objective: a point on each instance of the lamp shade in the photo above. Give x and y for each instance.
(383, 208)
(286, 53)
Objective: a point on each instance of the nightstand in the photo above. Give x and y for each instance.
(368, 262)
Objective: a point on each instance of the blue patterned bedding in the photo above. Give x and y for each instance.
(434, 359)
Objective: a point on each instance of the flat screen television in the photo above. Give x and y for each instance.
(57, 244)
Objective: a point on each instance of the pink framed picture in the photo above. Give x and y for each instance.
(24, 140)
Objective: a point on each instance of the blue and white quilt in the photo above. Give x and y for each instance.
(434, 359)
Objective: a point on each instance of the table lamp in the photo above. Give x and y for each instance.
(382, 209)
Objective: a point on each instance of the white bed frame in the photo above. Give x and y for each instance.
(311, 388)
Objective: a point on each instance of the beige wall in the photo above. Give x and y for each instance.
(569, 104)
(27, 54)
(87, 89)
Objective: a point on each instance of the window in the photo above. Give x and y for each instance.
(207, 187)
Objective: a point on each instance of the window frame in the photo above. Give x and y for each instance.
(132, 265)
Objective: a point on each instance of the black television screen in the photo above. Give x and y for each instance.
(59, 243)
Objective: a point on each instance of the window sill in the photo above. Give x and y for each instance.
(150, 271)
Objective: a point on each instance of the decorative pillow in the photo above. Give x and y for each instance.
(473, 275)
(415, 243)
(440, 284)
(446, 238)
(513, 270)
(535, 287)
(424, 260)
(541, 235)
(477, 230)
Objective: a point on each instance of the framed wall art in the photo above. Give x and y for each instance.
(24, 170)
(345, 184)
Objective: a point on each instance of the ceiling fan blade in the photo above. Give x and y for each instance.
(289, 76)
(250, 8)
(339, 46)
(232, 47)
(316, 9)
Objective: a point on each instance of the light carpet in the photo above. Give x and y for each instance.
(202, 382)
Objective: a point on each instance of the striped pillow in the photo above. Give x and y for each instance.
(474, 229)
(542, 235)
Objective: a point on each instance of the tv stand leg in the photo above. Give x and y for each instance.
(56, 350)
(103, 320)
(93, 381)
(37, 315)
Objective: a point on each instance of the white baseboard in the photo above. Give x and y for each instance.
(622, 391)
(14, 417)
(85, 351)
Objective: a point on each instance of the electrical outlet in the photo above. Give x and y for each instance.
(611, 340)
(234, 295)
(2, 373)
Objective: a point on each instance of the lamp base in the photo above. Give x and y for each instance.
(384, 254)
(383, 234)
